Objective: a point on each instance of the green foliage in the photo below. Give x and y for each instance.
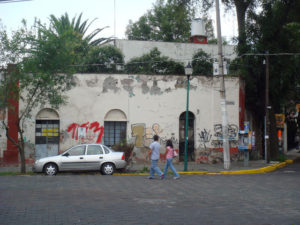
(154, 63)
(103, 60)
(79, 29)
(274, 31)
(167, 21)
(202, 63)
(45, 60)
(75, 31)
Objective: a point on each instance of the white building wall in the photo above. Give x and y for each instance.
(181, 52)
(152, 101)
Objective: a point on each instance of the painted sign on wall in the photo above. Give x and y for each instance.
(86, 132)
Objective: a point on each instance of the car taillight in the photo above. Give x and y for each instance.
(123, 156)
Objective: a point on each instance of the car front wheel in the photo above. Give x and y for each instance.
(108, 169)
(50, 169)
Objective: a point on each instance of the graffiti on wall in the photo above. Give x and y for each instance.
(86, 132)
(232, 130)
(205, 137)
(138, 131)
(143, 136)
(219, 143)
(216, 139)
(214, 154)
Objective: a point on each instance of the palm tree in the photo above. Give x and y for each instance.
(63, 24)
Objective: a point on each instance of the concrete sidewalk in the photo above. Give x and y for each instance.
(254, 166)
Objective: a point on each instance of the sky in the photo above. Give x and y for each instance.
(113, 13)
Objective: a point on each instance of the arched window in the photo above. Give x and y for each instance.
(115, 127)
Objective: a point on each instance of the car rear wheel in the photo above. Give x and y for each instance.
(50, 169)
(108, 169)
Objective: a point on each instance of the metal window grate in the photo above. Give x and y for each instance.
(47, 132)
(114, 132)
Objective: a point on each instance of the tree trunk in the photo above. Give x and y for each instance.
(241, 7)
(22, 157)
(21, 147)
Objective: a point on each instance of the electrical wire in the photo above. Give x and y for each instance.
(11, 1)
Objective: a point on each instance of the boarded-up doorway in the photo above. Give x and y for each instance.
(46, 134)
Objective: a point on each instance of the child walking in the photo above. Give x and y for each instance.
(169, 156)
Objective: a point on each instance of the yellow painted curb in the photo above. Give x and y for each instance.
(266, 169)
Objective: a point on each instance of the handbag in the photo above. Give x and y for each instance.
(175, 153)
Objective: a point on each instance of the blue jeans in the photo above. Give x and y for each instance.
(170, 164)
(154, 168)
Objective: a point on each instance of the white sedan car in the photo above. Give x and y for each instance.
(86, 157)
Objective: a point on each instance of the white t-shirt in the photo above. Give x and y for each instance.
(155, 146)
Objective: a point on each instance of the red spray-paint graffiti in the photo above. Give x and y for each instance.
(80, 130)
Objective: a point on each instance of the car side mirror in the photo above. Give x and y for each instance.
(66, 154)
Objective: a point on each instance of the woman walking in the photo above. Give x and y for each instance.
(169, 156)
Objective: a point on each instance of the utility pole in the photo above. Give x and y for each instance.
(267, 112)
(226, 153)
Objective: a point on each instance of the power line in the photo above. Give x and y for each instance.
(269, 54)
(11, 1)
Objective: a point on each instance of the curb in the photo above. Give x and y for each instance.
(266, 169)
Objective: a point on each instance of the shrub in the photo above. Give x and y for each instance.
(125, 147)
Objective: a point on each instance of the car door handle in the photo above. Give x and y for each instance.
(101, 157)
(81, 157)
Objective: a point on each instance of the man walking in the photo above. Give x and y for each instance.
(155, 153)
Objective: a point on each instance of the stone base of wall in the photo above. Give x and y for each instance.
(205, 156)
(215, 155)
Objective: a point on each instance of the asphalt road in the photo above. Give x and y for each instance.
(255, 199)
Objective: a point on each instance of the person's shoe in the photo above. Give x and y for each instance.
(175, 178)
(162, 176)
(150, 177)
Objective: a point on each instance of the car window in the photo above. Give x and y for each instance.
(94, 150)
(106, 149)
(77, 150)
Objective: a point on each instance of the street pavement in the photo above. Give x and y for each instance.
(191, 166)
(250, 199)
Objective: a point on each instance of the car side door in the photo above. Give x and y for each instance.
(74, 158)
(94, 156)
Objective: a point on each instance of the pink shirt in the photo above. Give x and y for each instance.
(170, 153)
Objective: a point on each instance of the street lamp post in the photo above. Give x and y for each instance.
(188, 72)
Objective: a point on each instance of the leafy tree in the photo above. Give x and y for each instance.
(154, 63)
(275, 30)
(167, 21)
(43, 72)
(202, 63)
(105, 59)
(242, 8)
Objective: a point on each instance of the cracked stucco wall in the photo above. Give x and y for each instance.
(151, 104)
